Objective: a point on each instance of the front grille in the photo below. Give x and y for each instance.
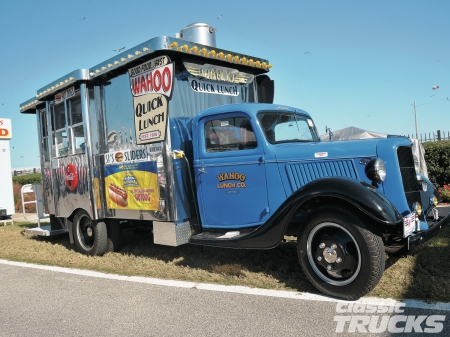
(301, 174)
(408, 172)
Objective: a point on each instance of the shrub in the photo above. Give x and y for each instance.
(27, 179)
(445, 193)
(437, 157)
(30, 208)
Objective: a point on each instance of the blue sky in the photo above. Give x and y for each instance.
(347, 62)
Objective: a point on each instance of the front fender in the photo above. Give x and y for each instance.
(359, 194)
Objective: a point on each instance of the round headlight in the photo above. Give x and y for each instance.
(417, 208)
(434, 200)
(376, 170)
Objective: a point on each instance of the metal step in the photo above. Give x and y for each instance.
(45, 231)
(5, 222)
(219, 238)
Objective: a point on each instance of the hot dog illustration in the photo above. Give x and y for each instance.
(118, 195)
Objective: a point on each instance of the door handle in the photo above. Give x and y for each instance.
(202, 170)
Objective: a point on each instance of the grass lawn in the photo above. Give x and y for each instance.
(423, 277)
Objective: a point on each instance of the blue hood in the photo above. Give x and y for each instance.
(328, 150)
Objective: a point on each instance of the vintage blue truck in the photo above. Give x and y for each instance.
(181, 139)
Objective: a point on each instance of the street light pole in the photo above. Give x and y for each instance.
(415, 117)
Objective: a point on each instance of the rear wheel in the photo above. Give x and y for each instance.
(90, 237)
(340, 253)
(114, 240)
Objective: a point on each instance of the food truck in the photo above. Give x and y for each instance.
(180, 138)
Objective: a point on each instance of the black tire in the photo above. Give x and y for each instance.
(90, 237)
(336, 238)
(114, 242)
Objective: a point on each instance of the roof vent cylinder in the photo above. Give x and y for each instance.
(201, 33)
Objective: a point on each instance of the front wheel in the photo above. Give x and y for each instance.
(90, 237)
(340, 253)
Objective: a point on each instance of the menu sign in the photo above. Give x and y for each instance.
(151, 87)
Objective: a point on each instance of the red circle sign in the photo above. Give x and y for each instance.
(71, 177)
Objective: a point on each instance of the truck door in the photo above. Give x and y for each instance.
(230, 173)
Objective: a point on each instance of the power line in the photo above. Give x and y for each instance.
(432, 101)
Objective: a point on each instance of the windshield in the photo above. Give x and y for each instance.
(287, 126)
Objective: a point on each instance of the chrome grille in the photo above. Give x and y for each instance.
(408, 172)
(301, 174)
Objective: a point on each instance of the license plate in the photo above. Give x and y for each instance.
(409, 224)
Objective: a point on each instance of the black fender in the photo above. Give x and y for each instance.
(357, 193)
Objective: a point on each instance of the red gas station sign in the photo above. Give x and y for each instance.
(5, 128)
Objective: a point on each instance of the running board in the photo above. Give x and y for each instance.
(45, 231)
(228, 239)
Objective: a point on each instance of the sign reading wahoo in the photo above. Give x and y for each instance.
(151, 86)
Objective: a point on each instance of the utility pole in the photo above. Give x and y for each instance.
(415, 117)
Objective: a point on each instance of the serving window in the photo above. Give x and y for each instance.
(60, 146)
(76, 129)
(67, 125)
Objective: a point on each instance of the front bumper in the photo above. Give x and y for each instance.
(423, 236)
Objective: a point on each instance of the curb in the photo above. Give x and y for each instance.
(408, 303)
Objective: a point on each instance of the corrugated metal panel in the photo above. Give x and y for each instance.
(303, 173)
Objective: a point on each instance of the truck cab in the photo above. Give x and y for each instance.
(181, 139)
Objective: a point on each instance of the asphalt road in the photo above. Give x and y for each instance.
(36, 302)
